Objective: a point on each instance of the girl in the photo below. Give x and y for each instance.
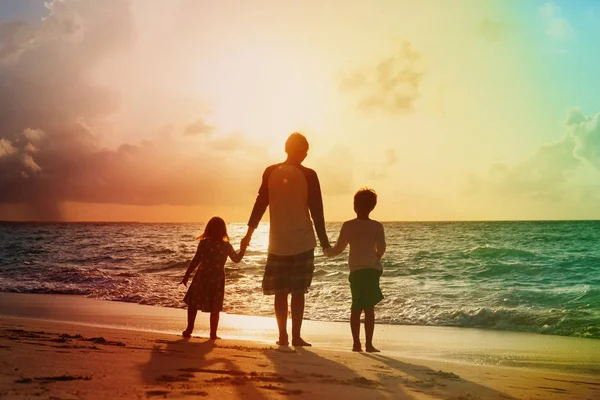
(208, 286)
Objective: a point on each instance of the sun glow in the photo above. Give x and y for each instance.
(265, 92)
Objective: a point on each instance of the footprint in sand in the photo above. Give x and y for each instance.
(157, 393)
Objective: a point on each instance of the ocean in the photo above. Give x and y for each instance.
(517, 276)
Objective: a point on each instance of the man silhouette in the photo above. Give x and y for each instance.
(293, 195)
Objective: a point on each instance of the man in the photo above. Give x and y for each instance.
(291, 191)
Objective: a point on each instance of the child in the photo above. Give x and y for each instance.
(367, 245)
(207, 290)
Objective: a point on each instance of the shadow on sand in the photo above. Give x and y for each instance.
(419, 378)
(203, 368)
(188, 367)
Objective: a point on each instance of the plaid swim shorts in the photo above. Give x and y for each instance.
(288, 274)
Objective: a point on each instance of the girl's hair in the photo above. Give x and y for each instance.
(216, 230)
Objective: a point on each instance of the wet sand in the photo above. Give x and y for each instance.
(70, 347)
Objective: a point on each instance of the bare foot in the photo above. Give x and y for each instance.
(300, 342)
(214, 337)
(283, 341)
(371, 349)
(186, 334)
(357, 347)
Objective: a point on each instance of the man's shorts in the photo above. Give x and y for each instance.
(364, 286)
(288, 274)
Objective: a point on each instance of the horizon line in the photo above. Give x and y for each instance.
(244, 222)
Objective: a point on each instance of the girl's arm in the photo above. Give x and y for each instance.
(237, 257)
(380, 243)
(193, 264)
(340, 245)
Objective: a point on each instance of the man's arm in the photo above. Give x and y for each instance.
(315, 205)
(260, 206)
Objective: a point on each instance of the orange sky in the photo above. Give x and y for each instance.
(170, 111)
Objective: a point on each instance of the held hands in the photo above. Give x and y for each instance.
(327, 251)
(245, 241)
(184, 281)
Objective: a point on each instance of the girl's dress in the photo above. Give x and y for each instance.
(207, 290)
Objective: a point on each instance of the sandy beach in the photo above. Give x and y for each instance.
(75, 348)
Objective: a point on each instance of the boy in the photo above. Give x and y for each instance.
(367, 245)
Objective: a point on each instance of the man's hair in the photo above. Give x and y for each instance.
(296, 143)
(365, 200)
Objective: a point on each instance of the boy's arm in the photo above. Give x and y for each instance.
(237, 257)
(380, 242)
(315, 205)
(193, 264)
(340, 244)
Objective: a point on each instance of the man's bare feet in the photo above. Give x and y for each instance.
(283, 341)
(371, 349)
(300, 342)
(186, 334)
(357, 347)
(214, 337)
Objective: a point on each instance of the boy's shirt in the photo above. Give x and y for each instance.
(365, 237)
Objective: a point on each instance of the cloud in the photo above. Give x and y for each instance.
(557, 27)
(54, 118)
(547, 174)
(391, 85)
(63, 22)
(585, 133)
(6, 148)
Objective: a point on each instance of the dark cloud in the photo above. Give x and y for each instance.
(391, 85)
(52, 113)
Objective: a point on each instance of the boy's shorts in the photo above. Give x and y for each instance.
(364, 286)
(288, 274)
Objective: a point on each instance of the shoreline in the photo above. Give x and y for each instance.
(415, 326)
(470, 346)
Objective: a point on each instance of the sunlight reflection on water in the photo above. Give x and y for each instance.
(532, 276)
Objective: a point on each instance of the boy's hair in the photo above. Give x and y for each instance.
(216, 230)
(365, 200)
(296, 143)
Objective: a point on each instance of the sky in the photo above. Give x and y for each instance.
(169, 111)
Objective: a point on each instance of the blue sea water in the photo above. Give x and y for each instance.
(519, 276)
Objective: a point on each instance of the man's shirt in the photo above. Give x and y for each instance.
(293, 194)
